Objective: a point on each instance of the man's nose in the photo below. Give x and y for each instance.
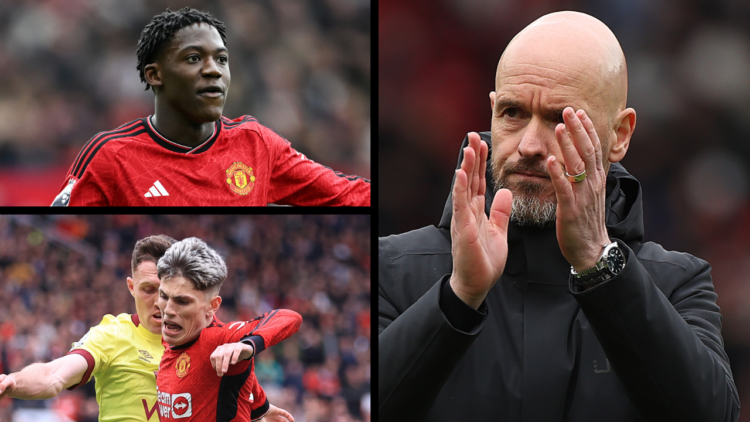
(211, 68)
(536, 139)
(167, 308)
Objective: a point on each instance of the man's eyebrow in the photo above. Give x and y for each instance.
(550, 113)
(200, 48)
(181, 297)
(501, 103)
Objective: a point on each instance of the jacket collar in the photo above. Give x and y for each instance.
(624, 201)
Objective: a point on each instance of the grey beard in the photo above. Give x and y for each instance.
(527, 209)
(530, 211)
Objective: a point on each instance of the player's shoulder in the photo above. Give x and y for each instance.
(109, 138)
(105, 145)
(117, 323)
(243, 122)
(108, 331)
(216, 328)
(249, 123)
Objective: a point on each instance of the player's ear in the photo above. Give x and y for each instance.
(131, 286)
(215, 303)
(152, 74)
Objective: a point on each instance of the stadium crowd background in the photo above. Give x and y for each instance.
(302, 67)
(689, 74)
(59, 275)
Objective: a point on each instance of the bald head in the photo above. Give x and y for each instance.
(564, 59)
(580, 47)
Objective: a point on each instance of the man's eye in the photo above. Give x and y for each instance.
(511, 112)
(193, 59)
(223, 59)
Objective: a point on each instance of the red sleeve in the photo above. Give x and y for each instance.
(266, 330)
(94, 188)
(297, 180)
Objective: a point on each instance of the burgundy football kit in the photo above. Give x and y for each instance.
(243, 163)
(187, 385)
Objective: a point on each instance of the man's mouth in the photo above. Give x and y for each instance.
(211, 91)
(157, 317)
(171, 328)
(532, 174)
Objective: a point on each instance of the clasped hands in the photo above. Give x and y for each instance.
(480, 244)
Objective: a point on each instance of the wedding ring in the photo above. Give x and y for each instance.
(576, 178)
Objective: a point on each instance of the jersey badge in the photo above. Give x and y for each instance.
(63, 198)
(240, 178)
(182, 365)
(82, 341)
(145, 356)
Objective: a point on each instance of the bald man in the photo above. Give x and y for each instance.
(536, 299)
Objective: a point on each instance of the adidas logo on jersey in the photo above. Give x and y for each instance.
(156, 190)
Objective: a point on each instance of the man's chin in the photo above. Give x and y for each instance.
(533, 211)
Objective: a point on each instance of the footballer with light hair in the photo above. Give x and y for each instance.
(207, 370)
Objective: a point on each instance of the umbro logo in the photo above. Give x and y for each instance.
(156, 190)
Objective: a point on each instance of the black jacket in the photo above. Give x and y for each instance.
(643, 346)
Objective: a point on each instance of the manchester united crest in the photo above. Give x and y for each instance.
(240, 178)
(182, 365)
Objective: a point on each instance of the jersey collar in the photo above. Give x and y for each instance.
(143, 330)
(177, 147)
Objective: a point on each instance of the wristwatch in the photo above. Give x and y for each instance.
(609, 265)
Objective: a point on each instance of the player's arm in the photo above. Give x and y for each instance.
(44, 380)
(92, 179)
(255, 336)
(299, 181)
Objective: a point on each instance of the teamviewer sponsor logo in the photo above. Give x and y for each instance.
(180, 405)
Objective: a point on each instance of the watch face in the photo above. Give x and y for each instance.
(615, 260)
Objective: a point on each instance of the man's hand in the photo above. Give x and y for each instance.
(7, 385)
(277, 415)
(581, 224)
(479, 245)
(229, 354)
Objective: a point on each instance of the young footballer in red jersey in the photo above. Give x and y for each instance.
(187, 153)
(207, 371)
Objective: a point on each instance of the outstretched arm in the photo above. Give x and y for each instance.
(254, 336)
(44, 380)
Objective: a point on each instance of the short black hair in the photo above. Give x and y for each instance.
(162, 28)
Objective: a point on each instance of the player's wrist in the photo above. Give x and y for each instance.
(248, 350)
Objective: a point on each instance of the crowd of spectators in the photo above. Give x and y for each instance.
(688, 67)
(59, 275)
(302, 67)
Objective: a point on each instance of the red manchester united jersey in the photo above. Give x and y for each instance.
(241, 163)
(187, 385)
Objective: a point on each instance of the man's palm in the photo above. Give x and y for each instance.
(479, 244)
